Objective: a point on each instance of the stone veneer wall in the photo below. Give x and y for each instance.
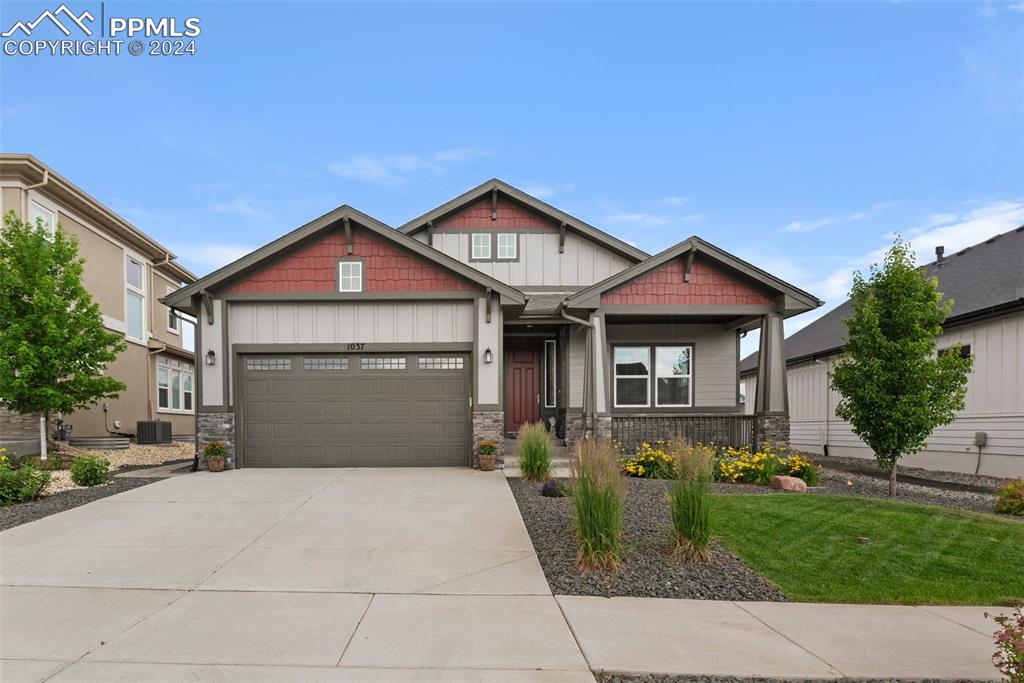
(217, 427)
(575, 428)
(772, 428)
(488, 425)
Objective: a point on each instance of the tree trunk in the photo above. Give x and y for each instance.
(892, 480)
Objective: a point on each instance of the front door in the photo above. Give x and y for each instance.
(522, 384)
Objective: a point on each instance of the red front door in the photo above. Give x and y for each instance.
(522, 385)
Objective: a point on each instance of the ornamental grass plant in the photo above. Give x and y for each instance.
(690, 500)
(534, 451)
(598, 492)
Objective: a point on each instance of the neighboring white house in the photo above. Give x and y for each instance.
(986, 284)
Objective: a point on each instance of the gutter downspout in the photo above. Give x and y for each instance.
(149, 378)
(828, 408)
(24, 206)
(587, 366)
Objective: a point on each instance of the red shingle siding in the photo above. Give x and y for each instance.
(664, 286)
(510, 217)
(386, 269)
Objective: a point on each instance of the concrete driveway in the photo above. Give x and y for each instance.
(276, 575)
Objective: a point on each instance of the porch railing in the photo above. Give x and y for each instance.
(722, 430)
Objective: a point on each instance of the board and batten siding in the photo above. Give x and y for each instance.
(994, 405)
(539, 262)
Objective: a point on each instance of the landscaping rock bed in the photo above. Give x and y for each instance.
(842, 483)
(605, 677)
(648, 570)
(22, 513)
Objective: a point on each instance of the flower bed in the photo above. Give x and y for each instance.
(732, 465)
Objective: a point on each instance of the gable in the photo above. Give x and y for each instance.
(313, 268)
(510, 216)
(664, 285)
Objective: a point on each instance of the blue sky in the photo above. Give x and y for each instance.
(799, 136)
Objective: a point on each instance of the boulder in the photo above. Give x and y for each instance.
(789, 484)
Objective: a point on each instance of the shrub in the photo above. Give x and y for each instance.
(20, 484)
(1010, 498)
(214, 449)
(534, 451)
(1009, 654)
(690, 500)
(742, 466)
(89, 470)
(597, 502)
(650, 461)
(553, 489)
(801, 467)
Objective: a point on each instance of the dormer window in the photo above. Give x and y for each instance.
(481, 246)
(350, 276)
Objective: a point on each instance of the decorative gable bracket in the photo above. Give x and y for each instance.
(689, 264)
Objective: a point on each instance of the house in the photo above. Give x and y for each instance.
(127, 273)
(986, 284)
(349, 343)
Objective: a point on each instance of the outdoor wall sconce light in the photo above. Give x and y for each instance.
(488, 356)
(211, 357)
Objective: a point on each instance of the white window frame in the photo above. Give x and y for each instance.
(141, 292)
(616, 376)
(514, 246)
(173, 321)
(550, 352)
(688, 377)
(37, 206)
(342, 277)
(184, 369)
(485, 241)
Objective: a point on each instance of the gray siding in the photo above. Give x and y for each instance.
(577, 351)
(714, 357)
(995, 405)
(539, 264)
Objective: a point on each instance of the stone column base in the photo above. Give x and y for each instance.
(575, 428)
(214, 427)
(771, 428)
(603, 427)
(488, 425)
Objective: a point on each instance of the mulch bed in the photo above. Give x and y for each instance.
(22, 513)
(648, 569)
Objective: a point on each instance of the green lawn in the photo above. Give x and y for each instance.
(807, 545)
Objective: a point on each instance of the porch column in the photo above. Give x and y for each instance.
(488, 401)
(771, 399)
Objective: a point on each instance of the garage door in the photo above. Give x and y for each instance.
(355, 410)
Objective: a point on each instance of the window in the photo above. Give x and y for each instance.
(172, 317)
(672, 373)
(313, 364)
(268, 364)
(550, 373)
(350, 276)
(389, 363)
(440, 363)
(174, 384)
(965, 350)
(37, 211)
(481, 246)
(507, 244)
(135, 304)
(632, 376)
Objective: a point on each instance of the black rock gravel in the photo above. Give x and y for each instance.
(648, 569)
(22, 513)
(843, 483)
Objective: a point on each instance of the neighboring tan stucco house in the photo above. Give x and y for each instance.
(986, 284)
(349, 343)
(127, 273)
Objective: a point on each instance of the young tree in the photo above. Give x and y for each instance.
(895, 389)
(53, 345)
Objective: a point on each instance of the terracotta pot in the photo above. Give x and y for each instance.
(215, 464)
(487, 462)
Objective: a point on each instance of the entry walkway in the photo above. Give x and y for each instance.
(391, 575)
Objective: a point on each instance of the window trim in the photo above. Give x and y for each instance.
(689, 377)
(341, 278)
(616, 376)
(186, 368)
(472, 246)
(141, 292)
(515, 247)
(52, 227)
(172, 316)
(550, 352)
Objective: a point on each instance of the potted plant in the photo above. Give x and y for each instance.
(214, 453)
(487, 451)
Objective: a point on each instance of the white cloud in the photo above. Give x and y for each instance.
(673, 201)
(810, 226)
(546, 190)
(239, 207)
(393, 168)
(211, 256)
(652, 220)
